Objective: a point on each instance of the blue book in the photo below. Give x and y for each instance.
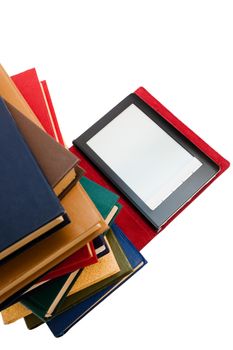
(62, 323)
(29, 208)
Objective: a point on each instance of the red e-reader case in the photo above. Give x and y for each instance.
(135, 226)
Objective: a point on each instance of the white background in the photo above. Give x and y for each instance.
(93, 54)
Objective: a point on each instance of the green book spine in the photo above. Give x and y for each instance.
(103, 199)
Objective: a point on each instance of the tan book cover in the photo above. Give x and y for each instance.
(107, 266)
(86, 224)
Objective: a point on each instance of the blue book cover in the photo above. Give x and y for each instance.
(62, 323)
(29, 207)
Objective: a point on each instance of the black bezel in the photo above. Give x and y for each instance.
(182, 194)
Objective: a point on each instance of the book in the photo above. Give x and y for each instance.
(52, 114)
(85, 256)
(30, 87)
(101, 246)
(12, 95)
(108, 209)
(23, 270)
(60, 324)
(65, 177)
(71, 264)
(37, 96)
(106, 267)
(28, 84)
(104, 199)
(46, 298)
(93, 278)
(29, 208)
(56, 162)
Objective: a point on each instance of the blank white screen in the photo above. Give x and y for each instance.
(144, 156)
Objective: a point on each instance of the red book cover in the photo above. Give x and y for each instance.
(28, 84)
(83, 257)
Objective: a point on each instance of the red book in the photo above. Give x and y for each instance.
(52, 113)
(76, 261)
(38, 98)
(30, 87)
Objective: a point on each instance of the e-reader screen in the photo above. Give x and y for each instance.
(132, 139)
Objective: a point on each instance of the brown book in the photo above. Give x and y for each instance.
(22, 270)
(56, 162)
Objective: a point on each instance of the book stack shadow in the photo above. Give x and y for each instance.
(64, 237)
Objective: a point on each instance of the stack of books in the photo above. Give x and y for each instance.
(62, 245)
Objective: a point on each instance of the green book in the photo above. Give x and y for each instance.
(74, 299)
(44, 299)
(105, 201)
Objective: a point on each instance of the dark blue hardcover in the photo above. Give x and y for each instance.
(62, 323)
(27, 200)
(101, 246)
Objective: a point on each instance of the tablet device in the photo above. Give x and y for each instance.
(151, 162)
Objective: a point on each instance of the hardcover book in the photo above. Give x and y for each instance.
(45, 299)
(29, 86)
(83, 257)
(29, 208)
(11, 94)
(93, 278)
(106, 267)
(52, 114)
(60, 324)
(56, 162)
(103, 199)
(37, 95)
(23, 270)
(109, 199)
(108, 208)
